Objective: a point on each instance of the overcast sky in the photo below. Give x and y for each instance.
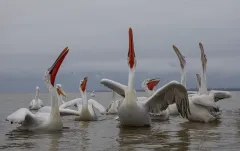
(32, 34)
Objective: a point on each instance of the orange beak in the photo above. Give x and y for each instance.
(131, 53)
(152, 83)
(84, 84)
(54, 68)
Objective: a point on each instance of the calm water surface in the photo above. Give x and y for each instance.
(175, 134)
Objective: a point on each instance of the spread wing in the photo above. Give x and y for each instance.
(172, 92)
(21, 116)
(115, 86)
(97, 105)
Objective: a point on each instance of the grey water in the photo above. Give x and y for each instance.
(106, 135)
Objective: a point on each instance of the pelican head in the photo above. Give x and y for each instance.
(51, 73)
(180, 57)
(150, 83)
(203, 57)
(131, 54)
(83, 84)
(37, 89)
(60, 90)
(219, 95)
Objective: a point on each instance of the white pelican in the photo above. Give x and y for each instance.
(148, 85)
(36, 103)
(112, 109)
(216, 94)
(63, 112)
(50, 121)
(173, 108)
(85, 107)
(92, 94)
(136, 113)
(182, 63)
(202, 106)
(208, 110)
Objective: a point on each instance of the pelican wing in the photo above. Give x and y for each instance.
(172, 92)
(63, 111)
(219, 95)
(115, 86)
(45, 109)
(21, 115)
(40, 102)
(31, 103)
(74, 102)
(97, 105)
(68, 112)
(203, 101)
(110, 105)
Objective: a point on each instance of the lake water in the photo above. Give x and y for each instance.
(105, 135)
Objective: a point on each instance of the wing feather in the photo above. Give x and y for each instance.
(20, 116)
(74, 102)
(115, 86)
(172, 92)
(97, 105)
(203, 100)
(68, 112)
(219, 95)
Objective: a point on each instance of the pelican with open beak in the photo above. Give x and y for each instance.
(133, 112)
(49, 121)
(85, 107)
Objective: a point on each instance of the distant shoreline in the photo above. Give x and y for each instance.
(192, 89)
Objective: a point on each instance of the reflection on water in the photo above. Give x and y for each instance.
(175, 134)
(55, 137)
(184, 140)
(84, 138)
(203, 134)
(18, 139)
